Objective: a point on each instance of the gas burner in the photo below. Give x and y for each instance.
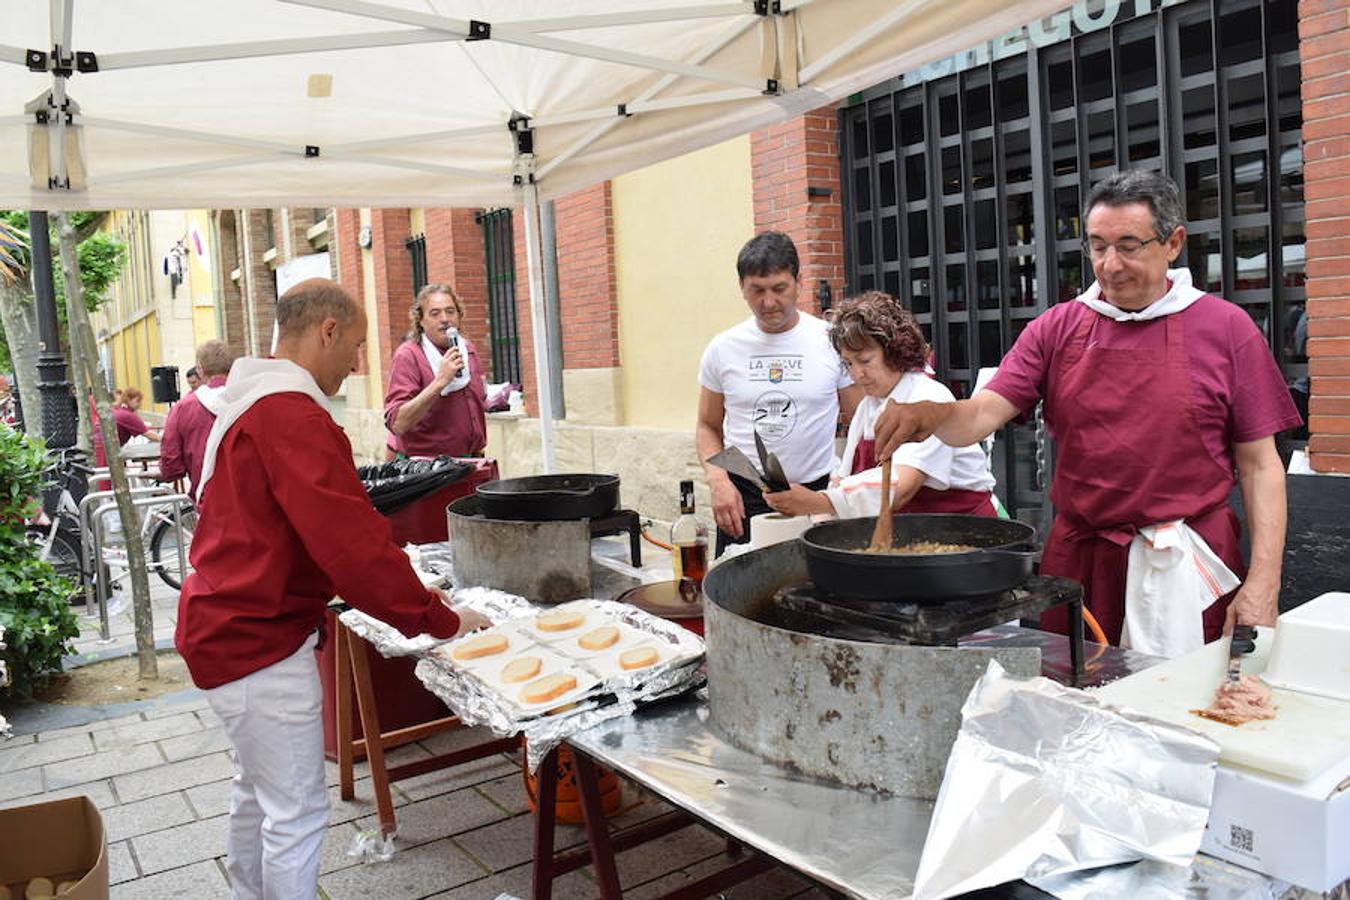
(804, 607)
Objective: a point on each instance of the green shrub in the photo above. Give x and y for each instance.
(34, 611)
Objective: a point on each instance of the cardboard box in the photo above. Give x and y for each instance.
(61, 840)
(1295, 831)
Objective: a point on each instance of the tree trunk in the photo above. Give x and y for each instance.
(18, 316)
(85, 349)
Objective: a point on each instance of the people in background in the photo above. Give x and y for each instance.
(1160, 398)
(436, 401)
(126, 417)
(193, 379)
(774, 374)
(886, 356)
(189, 423)
(286, 525)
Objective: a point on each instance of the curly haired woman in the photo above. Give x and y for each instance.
(885, 352)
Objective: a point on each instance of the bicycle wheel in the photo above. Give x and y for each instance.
(164, 548)
(64, 555)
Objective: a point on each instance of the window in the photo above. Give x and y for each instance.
(504, 333)
(417, 253)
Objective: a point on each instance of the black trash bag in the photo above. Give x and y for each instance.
(393, 485)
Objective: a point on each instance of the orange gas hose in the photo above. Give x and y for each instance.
(651, 540)
(1097, 634)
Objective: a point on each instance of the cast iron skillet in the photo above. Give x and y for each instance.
(836, 563)
(549, 498)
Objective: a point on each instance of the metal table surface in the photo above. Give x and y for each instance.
(670, 749)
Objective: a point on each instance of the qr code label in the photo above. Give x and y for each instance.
(1240, 838)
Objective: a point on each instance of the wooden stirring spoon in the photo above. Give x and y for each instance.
(883, 535)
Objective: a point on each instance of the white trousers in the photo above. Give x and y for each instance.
(278, 804)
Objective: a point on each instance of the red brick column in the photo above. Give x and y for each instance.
(586, 285)
(1324, 51)
(786, 160)
(586, 278)
(259, 279)
(235, 334)
(390, 229)
(346, 262)
(455, 257)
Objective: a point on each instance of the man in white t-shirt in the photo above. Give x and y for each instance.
(774, 373)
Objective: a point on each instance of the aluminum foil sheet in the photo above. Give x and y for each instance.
(497, 606)
(618, 696)
(1205, 879)
(1045, 780)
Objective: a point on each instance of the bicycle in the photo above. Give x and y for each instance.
(56, 529)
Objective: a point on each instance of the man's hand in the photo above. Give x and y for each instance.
(1253, 605)
(470, 621)
(799, 500)
(905, 423)
(728, 508)
(451, 363)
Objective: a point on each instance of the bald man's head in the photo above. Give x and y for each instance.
(311, 302)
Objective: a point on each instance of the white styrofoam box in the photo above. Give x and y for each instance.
(1312, 648)
(1295, 831)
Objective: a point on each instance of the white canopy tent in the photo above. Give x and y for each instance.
(260, 103)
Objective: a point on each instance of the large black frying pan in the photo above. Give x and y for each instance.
(549, 498)
(837, 563)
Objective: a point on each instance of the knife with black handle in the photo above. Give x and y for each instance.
(1243, 642)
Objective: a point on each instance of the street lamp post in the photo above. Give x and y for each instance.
(58, 403)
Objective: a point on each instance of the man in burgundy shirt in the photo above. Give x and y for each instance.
(437, 396)
(285, 526)
(189, 422)
(1160, 398)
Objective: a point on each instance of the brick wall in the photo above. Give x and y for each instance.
(786, 160)
(1324, 51)
(454, 244)
(345, 254)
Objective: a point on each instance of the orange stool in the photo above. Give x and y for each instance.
(567, 807)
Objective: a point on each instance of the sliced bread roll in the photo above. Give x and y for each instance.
(599, 638)
(560, 620)
(638, 658)
(478, 647)
(522, 669)
(550, 687)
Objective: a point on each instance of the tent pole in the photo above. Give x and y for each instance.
(534, 257)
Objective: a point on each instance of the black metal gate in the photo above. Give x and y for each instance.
(500, 250)
(963, 194)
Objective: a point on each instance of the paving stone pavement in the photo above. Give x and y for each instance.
(159, 771)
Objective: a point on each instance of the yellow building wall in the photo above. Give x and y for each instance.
(200, 279)
(678, 227)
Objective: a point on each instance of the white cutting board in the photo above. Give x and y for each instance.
(1308, 734)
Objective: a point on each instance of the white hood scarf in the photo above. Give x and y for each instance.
(434, 357)
(250, 381)
(1180, 295)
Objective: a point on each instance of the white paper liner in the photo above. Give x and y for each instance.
(592, 620)
(517, 642)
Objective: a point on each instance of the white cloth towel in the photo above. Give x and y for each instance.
(434, 356)
(1173, 576)
(1180, 295)
(250, 381)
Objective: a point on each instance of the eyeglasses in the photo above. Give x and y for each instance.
(1126, 247)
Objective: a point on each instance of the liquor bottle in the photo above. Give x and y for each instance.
(689, 538)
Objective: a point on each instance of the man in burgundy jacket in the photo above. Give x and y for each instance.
(189, 422)
(285, 526)
(437, 396)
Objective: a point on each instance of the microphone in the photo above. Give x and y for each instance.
(453, 333)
